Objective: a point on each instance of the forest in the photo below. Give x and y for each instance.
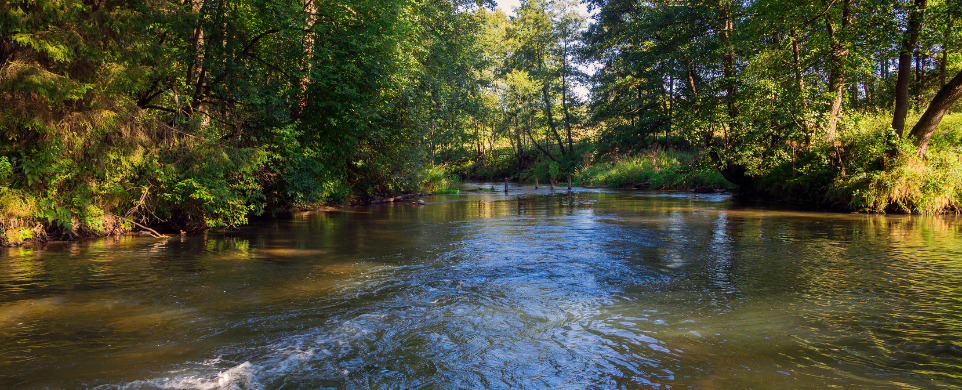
(198, 114)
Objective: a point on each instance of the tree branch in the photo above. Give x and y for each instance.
(152, 231)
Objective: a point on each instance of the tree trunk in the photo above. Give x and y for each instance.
(671, 111)
(198, 73)
(920, 59)
(516, 146)
(690, 72)
(536, 144)
(6, 49)
(564, 105)
(551, 124)
(836, 77)
(310, 9)
(800, 88)
(640, 108)
(564, 94)
(434, 144)
(477, 140)
(905, 66)
(945, 59)
(923, 130)
(867, 87)
(731, 87)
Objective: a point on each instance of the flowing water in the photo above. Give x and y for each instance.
(526, 290)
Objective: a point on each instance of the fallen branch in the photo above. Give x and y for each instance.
(139, 203)
(152, 231)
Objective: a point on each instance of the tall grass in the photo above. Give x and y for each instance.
(438, 179)
(858, 171)
(654, 169)
(906, 182)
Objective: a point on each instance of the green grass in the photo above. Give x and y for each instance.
(654, 169)
(856, 172)
(439, 181)
(907, 183)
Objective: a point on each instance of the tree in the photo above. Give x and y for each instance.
(839, 52)
(940, 105)
(537, 52)
(569, 27)
(913, 28)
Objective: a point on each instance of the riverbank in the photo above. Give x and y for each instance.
(22, 231)
(861, 170)
(864, 169)
(655, 169)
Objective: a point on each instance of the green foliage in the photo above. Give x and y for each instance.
(15, 235)
(199, 114)
(653, 169)
(903, 182)
(6, 169)
(501, 164)
(440, 181)
(864, 171)
(13, 204)
(910, 185)
(784, 108)
(544, 170)
(215, 190)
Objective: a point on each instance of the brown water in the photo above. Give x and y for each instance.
(593, 290)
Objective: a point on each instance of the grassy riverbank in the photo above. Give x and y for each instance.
(651, 169)
(860, 170)
(863, 171)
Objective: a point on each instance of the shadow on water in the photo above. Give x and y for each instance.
(529, 289)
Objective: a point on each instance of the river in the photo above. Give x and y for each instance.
(533, 289)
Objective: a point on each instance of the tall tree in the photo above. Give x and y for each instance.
(913, 27)
(538, 51)
(839, 52)
(570, 24)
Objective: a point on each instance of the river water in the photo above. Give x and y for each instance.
(595, 289)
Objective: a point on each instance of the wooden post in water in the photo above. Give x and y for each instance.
(536, 183)
(552, 184)
(569, 182)
(505, 185)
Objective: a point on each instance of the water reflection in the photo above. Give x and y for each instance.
(530, 289)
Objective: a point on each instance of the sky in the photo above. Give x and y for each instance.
(507, 6)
